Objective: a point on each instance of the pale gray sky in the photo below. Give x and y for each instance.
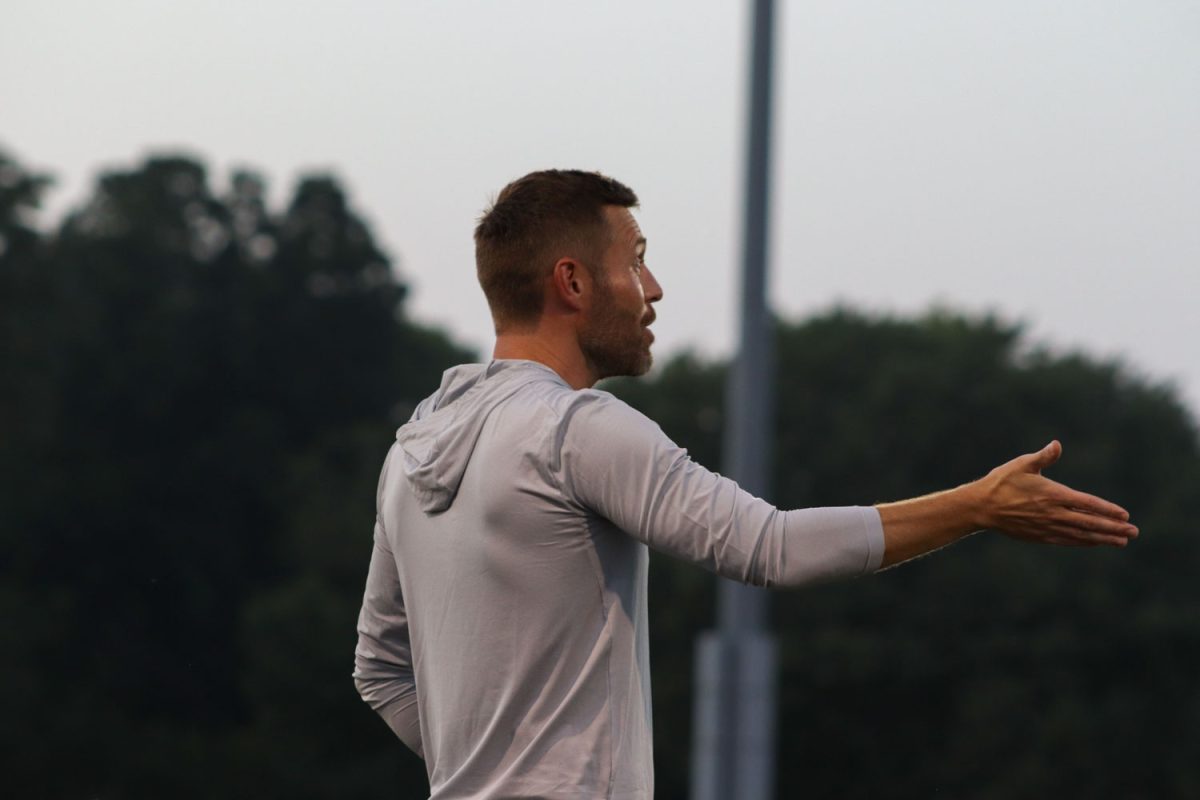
(1031, 157)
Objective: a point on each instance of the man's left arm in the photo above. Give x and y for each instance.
(620, 464)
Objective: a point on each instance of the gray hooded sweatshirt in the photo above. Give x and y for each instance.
(503, 632)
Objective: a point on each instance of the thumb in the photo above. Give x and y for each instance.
(1046, 456)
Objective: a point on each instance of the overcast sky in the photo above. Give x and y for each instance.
(1035, 158)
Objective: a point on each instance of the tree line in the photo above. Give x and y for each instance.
(196, 394)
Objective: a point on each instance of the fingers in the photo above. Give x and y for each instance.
(1092, 504)
(1064, 541)
(1094, 539)
(1066, 536)
(1074, 528)
(1093, 523)
(1081, 529)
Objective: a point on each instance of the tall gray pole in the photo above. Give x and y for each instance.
(733, 749)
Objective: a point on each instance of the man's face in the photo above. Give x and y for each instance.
(615, 337)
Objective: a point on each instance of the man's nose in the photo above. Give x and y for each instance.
(650, 286)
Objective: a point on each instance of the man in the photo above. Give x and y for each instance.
(503, 632)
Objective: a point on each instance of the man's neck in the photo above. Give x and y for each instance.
(563, 358)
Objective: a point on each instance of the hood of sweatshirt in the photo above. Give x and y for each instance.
(437, 443)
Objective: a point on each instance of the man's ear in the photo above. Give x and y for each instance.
(571, 282)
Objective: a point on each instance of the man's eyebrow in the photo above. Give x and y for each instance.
(641, 243)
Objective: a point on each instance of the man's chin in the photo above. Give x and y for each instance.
(647, 363)
(632, 362)
(628, 370)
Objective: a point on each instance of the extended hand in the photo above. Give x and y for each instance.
(1018, 501)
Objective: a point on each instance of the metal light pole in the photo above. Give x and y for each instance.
(733, 749)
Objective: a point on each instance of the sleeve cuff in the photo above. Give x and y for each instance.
(873, 530)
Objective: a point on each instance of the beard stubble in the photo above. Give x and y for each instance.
(614, 342)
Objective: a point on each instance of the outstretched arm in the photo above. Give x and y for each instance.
(1015, 499)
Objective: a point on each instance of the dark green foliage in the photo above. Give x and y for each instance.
(993, 669)
(199, 394)
(196, 393)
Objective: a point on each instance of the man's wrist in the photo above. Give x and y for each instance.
(976, 503)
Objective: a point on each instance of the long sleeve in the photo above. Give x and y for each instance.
(620, 464)
(383, 672)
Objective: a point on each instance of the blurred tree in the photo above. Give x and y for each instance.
(205, 354)
(26, 374)
(995, 669)
(33, 619)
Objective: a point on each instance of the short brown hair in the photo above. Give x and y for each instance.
(535, 221)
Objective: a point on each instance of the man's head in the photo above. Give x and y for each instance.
(567, 237)
(535, 221)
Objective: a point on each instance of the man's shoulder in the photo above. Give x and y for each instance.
(591, 421)
(598, 413)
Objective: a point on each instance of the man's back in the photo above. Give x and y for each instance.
(521, 607)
